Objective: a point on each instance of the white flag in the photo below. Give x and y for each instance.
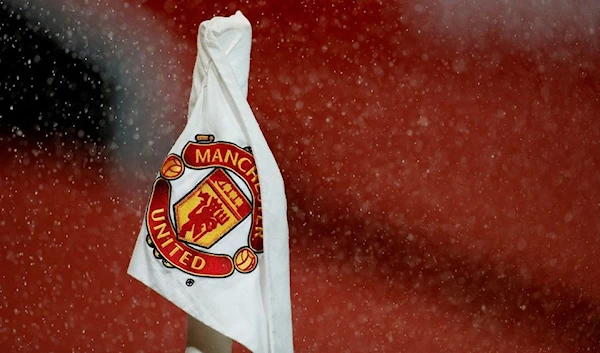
(214, 240)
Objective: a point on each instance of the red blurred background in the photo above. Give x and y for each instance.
(441, 161)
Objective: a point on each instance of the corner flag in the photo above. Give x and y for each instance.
(214, 239)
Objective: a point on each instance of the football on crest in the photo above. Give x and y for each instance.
(245, 260)
(172, 168)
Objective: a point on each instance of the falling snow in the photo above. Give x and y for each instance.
(441, 161)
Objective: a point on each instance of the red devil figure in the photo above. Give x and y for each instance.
(205, 217)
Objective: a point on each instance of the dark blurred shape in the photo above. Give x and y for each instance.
(47, 90)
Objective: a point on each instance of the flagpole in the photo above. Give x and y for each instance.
(203, 339)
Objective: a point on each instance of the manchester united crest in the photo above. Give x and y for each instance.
(183, 233)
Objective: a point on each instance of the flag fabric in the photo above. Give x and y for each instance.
(214, 239)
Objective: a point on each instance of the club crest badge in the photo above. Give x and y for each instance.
(214, 207)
